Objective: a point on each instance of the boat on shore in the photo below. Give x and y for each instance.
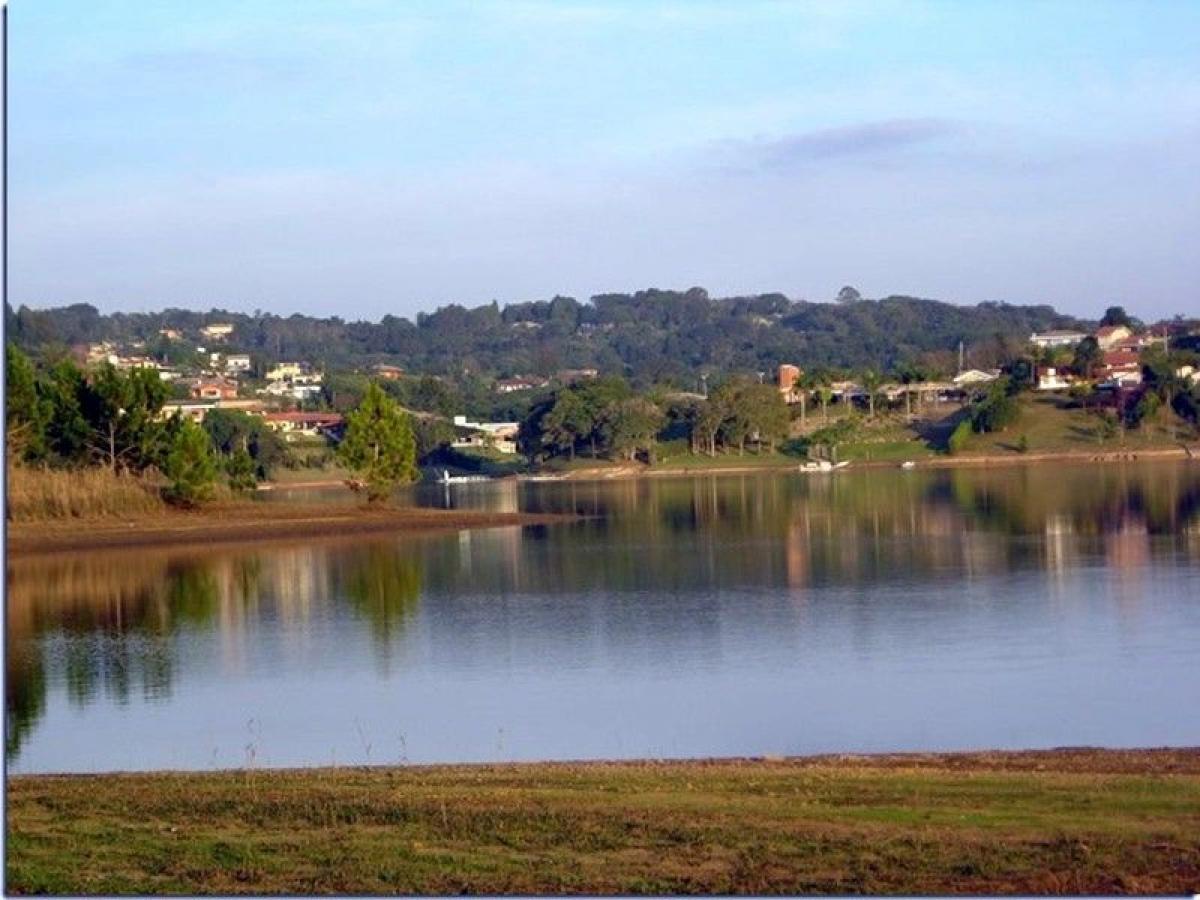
(822, 465)
(447, 478)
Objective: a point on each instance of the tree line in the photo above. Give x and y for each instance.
(649, 337)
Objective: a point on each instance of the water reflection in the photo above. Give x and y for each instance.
(726, 582)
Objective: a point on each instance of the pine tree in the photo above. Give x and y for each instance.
(240, 470)
(379, 446)
(191, 466)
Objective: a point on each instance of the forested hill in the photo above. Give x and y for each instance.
(652, 335)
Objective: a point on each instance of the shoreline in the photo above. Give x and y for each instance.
(1156, 454)
(1073, 820)
(248, 522)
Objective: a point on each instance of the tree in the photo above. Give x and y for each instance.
(848, 295)
(191, 466)
(630, 426)
(1116, 315)
(765, 412)
(25, 412)
(231, 430)
(1088, 358)
(871, 382)
(379, 446)
(567, 422)
(240, 470)
(122, 412)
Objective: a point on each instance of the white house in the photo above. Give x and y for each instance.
(218, 331)
(972, 377)
(500, 436)
(1050, 379)
(237, 362)
(1057, 338)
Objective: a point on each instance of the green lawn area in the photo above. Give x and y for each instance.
(1050, 426)
(1067, 822)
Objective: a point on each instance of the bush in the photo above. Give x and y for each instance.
(959, 437)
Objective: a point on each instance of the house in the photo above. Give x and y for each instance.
(786, 378)
(213, 389)
(1050, 379)
(238, 362)
(295, 390)
(1189, 374)
(500, 436)
(196, 410)
(570, 376)
(1056, 338)
(1109, 336)
(171, 334)
(286, 371)
(512, 385)
(973, 378)
(1121, 368)
(296, 425)
(390, 373)
(218, 331)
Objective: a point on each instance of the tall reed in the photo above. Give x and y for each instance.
(42, 494)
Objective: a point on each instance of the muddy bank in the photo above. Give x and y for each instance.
(241, 523)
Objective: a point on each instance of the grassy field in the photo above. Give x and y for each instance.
(1068, 821)
(35, 495)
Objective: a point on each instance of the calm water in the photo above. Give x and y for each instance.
(716, 616)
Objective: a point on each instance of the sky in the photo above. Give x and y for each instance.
(360, 158)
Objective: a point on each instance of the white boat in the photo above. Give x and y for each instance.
(447, 478)
(908, 464)
(822, 465)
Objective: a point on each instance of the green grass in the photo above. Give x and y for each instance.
(1051, 425)
(1080, 822)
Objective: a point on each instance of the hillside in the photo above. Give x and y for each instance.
(650, 336)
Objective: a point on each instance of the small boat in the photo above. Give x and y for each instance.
(908, 464)
(822, 465)
(447, 478)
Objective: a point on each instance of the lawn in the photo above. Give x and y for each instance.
(1077, 822)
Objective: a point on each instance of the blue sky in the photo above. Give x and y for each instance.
(361, 158)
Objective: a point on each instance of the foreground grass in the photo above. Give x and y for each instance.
(1079, 822)
(44, 494)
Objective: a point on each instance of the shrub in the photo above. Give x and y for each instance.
(958, 437)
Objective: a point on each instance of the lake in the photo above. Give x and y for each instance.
(684, 617)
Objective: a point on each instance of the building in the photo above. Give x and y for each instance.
(287, 371)
(171, 334)
(213, 389)
(570, 376)
(786, 378)
(390, 373)
(296, 425)
(238, 362)
(1056, 338)
(1109, 336)
(196, 410)
(1050, 379)
(513, 385)
(499, 436)
(218, 331)
(1121, 368)
(973, 378)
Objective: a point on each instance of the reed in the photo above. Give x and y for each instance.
(42, 494)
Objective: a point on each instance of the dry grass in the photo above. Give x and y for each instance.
(1047, 822)
(38, 495)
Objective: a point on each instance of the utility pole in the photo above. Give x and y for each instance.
(961, 357)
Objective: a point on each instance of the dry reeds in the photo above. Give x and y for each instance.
(40, 494)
